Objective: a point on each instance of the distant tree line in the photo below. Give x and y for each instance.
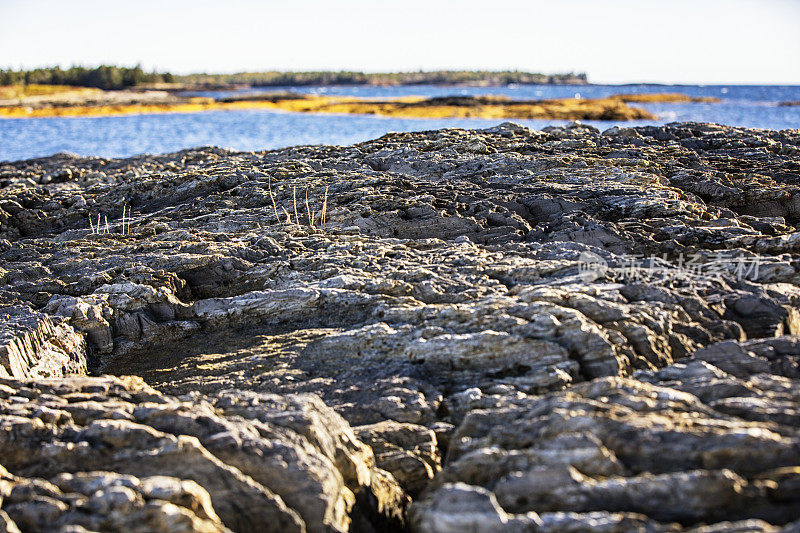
(113, 77)
(443, 77)
(103, 77)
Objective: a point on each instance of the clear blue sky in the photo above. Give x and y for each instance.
(687, 41)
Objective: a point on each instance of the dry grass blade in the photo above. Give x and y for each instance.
(294, 201)
(308, 211)
(272, 197)
(324, 208)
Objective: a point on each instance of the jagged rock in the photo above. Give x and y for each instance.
(256, 461)
(555, 330)
(32, 345)
(623, 446)
(410, 452)
(105, 501)
(461, 507)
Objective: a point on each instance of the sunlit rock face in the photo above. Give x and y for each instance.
(491, 330)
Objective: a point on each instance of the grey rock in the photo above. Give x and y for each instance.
(33, 345)
(500, 329)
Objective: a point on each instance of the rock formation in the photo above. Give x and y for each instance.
(137, 102)
(490, 330)
(676, 98)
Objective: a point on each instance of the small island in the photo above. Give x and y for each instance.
(67, 101)
(95, 102)
(124, 91)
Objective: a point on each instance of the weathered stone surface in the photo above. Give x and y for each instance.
(31, 345)
(250, 462)
(559, 330)
(409, 451)
(626, 446)
(106, 501)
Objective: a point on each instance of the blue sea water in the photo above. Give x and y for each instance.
(110, 136)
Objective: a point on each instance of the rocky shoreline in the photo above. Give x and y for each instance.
(445, 331)
(93, 102)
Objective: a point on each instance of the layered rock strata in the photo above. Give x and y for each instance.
(491, 330)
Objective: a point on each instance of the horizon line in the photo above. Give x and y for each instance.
(412, 71)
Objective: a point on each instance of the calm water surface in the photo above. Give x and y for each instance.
(750, 106)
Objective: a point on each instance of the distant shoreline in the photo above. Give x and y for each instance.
(49, 101)
(55, 101)
(443, 77)
(111, 77)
